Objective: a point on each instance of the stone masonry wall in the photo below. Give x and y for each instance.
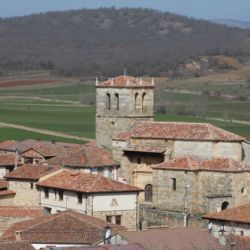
(128, 217)
(25, 195)
(113, 120)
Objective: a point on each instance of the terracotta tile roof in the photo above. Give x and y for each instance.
(237, 214)
(195, 164)
(21, 211)
(173, 238)
(89, 155)
(123, 136)
(3, 184)
(7, 145)
(238, 242)
(86, 183)
(182, 131)
(146, 148)
(7, 159)
(7, 192)
(134, 246)
(31, 172)
(77, 227)
(16, 245)
(125, 81)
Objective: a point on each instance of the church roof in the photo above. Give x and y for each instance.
(182, 131)
(189, 163)
(125, 81)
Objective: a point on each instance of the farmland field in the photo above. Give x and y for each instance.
(68, 105)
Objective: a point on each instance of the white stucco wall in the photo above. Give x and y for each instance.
(3, 172)
(114, 202)
(70, 201)
(228, 150)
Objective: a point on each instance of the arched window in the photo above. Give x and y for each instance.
(117, 101)
(108, 101)
(136, 101)
(224, 205)
(143, 100)
(148, 192)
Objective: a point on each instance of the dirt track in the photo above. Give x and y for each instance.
(45, 132)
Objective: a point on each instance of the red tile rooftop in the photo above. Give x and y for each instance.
(7, 159)
(16, 245)
(31, 172)
(3, 184)
(125, 81)
(173, 238)
(237, 214)
(89, 155)
(68, 227)
(7, 192)
(182, 131)
(85, 183)
(195, 164)
(123, 136)
(21, 211)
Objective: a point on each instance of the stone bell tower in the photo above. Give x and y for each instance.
(120, 102)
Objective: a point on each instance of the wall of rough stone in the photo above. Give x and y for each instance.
(7, 200)
(25, 195)
(246, 150)
(110, 122)
(129, 218)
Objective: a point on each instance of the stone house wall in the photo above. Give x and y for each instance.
(246, 149)
(7, 200)
(113, 120)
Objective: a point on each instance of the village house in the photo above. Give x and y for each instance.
(232, 221)
(16, 245)
(13, 214)
(7, 163)
(36, 151)
(22, 181)
(89, 158)
(91, 194)
(200, 186)
(64, 229)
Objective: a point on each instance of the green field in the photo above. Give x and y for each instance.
(69, 106)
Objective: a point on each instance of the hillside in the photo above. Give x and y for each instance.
(104, 41)
(233, 23)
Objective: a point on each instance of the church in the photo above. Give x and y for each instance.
(179, 165)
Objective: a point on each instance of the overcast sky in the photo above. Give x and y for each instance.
(206, 9)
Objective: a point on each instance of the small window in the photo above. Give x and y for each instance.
(118, 219)
(143, 101)
(148, 192)
(136, 101)
(108, 101)
(138, 160)
(31, 185)
(109, 218)
(60, 195)
(117, 101)
(224, 205)
(173, 184)
(46, 193)
(79, 197)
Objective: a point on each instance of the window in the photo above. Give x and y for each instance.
(60, 195)
(46, 193)
(136, 101)
(117, 101)
(138, 160)
(143, 101)
(109, 218)
(224, 205)
(118, 219)
(108, 101)
(148, 192)
(79, 197)
(31, 185)
(173, 184)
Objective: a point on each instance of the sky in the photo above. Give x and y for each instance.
(201, 9)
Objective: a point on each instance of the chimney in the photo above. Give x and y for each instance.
(96, 81)
(152, 82)
(18, 235)
(140, 81)
(112, 81)
(127, 82)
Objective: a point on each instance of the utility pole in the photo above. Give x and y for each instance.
(185, 211)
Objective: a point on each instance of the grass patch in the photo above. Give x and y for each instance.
(19, 135)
